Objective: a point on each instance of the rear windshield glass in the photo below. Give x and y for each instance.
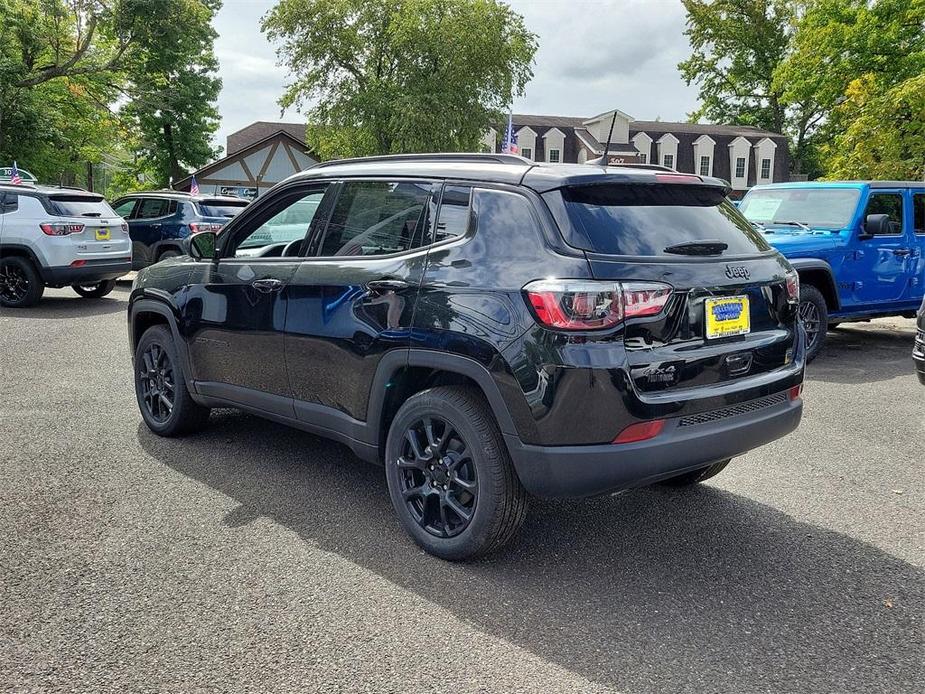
(221, 208)
(628, 219)
(80, 206)
(818, 207)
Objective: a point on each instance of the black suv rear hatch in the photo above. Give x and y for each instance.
(730, 315)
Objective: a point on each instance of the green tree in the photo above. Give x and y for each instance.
(172, 90)
(859, 63)
(386, 76)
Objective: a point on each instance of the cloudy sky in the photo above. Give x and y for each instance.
(594, 55)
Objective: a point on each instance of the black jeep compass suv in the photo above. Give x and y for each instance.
(485, 327)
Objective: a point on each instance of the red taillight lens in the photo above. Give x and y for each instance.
(795, 392)
(591, 305)
(793, 287)
(60, 228)
(641, 431)
(197, 227)
(78, 263)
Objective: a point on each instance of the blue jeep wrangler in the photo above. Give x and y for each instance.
(857, 246)
(159, 221)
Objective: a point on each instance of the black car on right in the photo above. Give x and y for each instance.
(918, 351)
(484, 327)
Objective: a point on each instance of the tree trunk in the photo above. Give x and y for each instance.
(175, 173)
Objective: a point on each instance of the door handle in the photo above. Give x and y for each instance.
(902, 251)
(387, 285)
(267, 285)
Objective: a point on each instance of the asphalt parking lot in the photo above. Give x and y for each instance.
(257, 558)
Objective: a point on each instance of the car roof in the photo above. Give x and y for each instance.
(181, 195)
(844, 184)
(491, 168)
(45, 190)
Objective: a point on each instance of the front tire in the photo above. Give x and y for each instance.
(697, 476)
(450, 478)
(160, 387)
(95, 291)
(20, 283)
(814, 315)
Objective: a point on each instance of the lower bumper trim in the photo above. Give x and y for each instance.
(578, 471)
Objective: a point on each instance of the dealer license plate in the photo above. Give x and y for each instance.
(102, 235)
(727, 316)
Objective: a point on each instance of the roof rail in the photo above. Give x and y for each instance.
(433, 157)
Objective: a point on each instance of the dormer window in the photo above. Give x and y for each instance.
(668, 160)
(553, 157)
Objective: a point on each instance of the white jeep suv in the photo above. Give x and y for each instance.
(58, 237)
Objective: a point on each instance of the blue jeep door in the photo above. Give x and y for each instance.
(884, 261)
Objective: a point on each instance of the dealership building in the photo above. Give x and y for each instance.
(264, 153)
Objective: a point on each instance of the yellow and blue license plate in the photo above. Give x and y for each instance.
(727, 316)
(102, 235)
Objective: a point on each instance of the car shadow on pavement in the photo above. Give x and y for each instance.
(652, 590)
(57, 306)
(854, 354)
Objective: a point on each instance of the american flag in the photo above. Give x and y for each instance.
(15, 178)
(509, 143)
(194, 187)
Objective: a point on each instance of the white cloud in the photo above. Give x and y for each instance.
(594, 55)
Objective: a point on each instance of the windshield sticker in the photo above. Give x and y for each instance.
(763, 208)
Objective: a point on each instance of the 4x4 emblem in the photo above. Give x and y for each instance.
(737, 272)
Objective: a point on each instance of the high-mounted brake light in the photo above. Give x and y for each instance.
(677, 178)
(593, 305)
(60, 228)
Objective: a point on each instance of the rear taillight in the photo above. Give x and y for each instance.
(795, 392)
(60, 228)
(591, 305)
(198, 227)
(793, 287)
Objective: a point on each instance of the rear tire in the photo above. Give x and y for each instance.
(814, 315)
(450, 478)
(20, 283)
(696, 476)
(95, 291)
(160, 387)
(167, 254)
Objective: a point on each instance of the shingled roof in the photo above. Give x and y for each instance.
(261, 130)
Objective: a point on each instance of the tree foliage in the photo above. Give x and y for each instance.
(67, 65)
(807, 68)
(386, 76)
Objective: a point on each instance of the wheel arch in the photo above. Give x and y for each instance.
(20, 251)
(146, 313)
(403, 373)
(818, 273)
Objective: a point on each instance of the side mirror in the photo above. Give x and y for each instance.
(202, 245)
(876, 225)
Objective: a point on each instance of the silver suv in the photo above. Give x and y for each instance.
(58, 237)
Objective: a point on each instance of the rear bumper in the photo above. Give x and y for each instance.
(685, 443)
(92, 271)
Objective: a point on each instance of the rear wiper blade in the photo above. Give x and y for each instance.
(92, 214)
(704, 247)
(803, 225)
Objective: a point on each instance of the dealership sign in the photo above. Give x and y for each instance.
(6, 175)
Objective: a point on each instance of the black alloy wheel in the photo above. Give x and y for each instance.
(20, 283)
(156, 377)
(815, 319)
(14, 284)
(437, 477)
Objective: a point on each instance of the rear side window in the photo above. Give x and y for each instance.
(79, 206)
(453, 219)
(9, 202)
(378, 218)
(124, 208)
(152, 207)
(890, 204)
(918, 212)
(644, 220)
(221, 208)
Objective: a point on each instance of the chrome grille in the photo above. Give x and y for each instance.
(732, 411)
